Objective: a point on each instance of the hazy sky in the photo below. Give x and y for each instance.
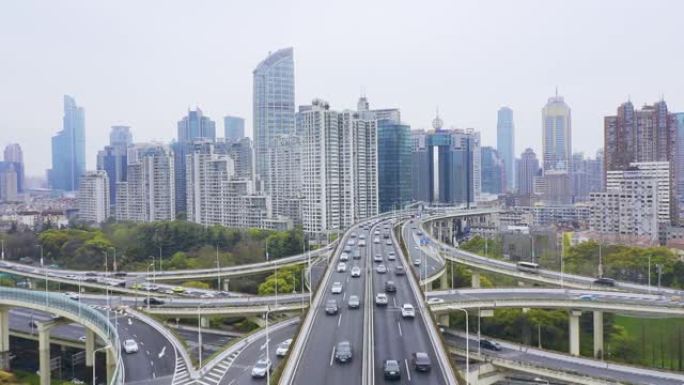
(143, 63)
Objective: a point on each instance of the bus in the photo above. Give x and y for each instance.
(528, 267)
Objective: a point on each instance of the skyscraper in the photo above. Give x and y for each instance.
(233, 128)
(148, 194)
(68, 149)
(394, 165)
(93, 197)
(273, 105)
(528, 168)
(492, 171)
(556, 134)
(646, 135)
(14, 155)
(339, 167)
(679, 118)
(285, 174)
(8, 182)
(505, 145)
(193, 127)
(113, 158)
(422, 175)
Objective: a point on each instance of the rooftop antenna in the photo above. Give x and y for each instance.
(556, 91)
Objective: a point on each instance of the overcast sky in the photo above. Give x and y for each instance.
(144, 63)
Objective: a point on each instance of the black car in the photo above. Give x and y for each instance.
(153, 301)
(331, 307)
(421, 362)
(390, 287)
(392, 370)
(343, 352)
(491, 345)
(605, 281)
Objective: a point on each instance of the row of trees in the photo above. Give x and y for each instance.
(181, 245)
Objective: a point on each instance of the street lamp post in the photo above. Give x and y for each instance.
(467, 345)
(42, 265)
(199, 333)
(148, 286)
(268, 357)
(218, 270)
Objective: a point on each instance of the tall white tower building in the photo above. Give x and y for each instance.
(556, 135)
(93, 197)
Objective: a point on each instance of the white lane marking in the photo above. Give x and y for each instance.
(148, 352)
(408, 372)
(154, 375)
(399, 326)
(344, 296)
(142, 343)
(339, 320)
(395, 301)
(332, 355)
(163, 351)
(151, 363)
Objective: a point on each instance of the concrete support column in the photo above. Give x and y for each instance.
(226, 284)
(444, 281)
(574, 332)
(439, 232)
(4, 338)
(111, 364)
(598, 334)
(44, 353)
(443, 320)
(204, 322)
(89, 347)
(475, 279)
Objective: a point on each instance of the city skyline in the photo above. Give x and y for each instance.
(135, 98)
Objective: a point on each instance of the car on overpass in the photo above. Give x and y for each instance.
(336, 287)
(381, 299)
(283, 347)
(490, 345)
(408, 311)
(331, 307)
(421, 362)
(353, 302)
(392, 371)
(343, 352)
(262, 367)
(130, 346)
(356, 272)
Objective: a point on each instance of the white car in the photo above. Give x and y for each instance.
(376, 240)
(344, 257)
(261, 367)
(356, 272)
(283, 347)
(341, 267)
(391, 256)
(336, 288)
(416, 262)
(433, 301)
(130, 346)
(388, 242)
(72, 295)
(407, 311)
(381, 299)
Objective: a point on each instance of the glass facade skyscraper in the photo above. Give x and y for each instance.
(394, 165)
(233, 128)
(492, 171)
(505, 145)
(68, 149)
(273, 104)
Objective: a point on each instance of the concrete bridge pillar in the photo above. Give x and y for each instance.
(89, 347)
(44, 352)
(4, 337)
(475, 279)
(226, 284)
(111, 364)
(204, 322)
(444, 281)
(443, 320)
(575, 332)
(439, 232)
(598, 334)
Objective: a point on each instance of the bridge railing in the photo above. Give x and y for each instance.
(56, 303)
